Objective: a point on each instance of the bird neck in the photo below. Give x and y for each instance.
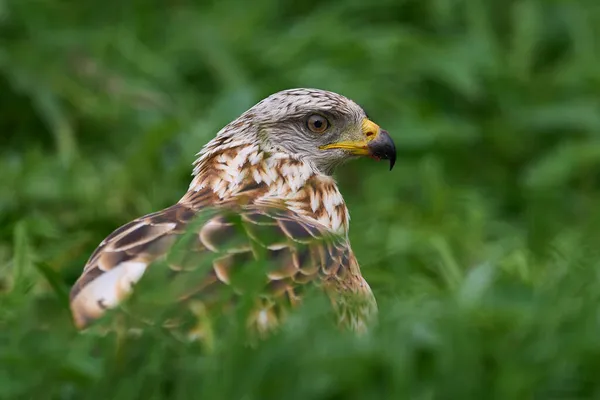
(244, 173)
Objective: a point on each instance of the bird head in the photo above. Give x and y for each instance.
(319, 127)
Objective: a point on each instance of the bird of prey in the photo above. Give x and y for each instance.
(272, 169)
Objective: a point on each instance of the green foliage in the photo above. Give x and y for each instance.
(481, 246)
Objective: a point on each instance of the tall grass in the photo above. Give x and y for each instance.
(481, 246)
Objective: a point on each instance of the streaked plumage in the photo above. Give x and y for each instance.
(271, 169)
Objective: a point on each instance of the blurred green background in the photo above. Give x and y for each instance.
(482, 246)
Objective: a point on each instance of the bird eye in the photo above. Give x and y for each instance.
(317, 123)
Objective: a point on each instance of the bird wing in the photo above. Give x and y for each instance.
(295, 251)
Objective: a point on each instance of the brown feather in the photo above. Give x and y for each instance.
(149, 238)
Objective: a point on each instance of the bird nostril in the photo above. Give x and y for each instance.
(370, 134)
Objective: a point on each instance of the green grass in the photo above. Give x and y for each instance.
(482, 246)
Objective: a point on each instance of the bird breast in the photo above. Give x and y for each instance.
(246, 173)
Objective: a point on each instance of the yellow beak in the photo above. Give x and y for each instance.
(376, 143)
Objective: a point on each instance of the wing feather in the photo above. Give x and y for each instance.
(298, 252)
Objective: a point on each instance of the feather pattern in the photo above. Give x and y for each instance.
(284, 210)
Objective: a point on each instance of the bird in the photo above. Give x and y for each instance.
(262, 190)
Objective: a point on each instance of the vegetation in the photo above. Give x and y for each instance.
(481, 245)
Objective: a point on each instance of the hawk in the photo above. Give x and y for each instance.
(271, 168)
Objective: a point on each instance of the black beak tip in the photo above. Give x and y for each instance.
(383, 148)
